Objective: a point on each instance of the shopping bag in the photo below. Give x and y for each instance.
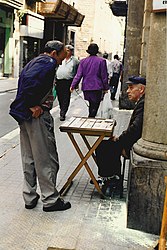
(105, 109)
(54, 92)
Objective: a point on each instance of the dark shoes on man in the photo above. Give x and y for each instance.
(60, 205)
(99, 181)
(111, 186)
(33, 204)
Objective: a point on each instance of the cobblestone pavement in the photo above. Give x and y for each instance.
(91, 224)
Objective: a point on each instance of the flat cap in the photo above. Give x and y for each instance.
(54, 45)
(136, 80)
(69, 46)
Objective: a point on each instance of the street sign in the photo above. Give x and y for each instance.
(159, 5)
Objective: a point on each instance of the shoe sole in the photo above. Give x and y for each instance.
(45, 209)
(33, 205)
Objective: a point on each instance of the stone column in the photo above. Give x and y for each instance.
(149, 157)
(145, 38)
(133, 47)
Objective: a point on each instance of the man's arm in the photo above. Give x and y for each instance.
(37, 80)
(134, 130)
(104, 75)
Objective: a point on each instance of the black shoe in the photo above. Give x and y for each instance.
(62, 118)
(33, 204)
(110, 186)
(60, 205)
(99, 181)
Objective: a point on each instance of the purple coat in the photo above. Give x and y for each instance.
(93, 72)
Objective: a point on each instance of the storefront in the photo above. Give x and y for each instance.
(9, 36)
(6, 32)
(31, 34)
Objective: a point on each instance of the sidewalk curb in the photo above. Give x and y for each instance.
(7, 90)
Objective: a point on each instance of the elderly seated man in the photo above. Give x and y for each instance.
(109, 151)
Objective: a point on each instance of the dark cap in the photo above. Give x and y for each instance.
(136, 80)
(54, 45)
(93, 49)
(70, 47)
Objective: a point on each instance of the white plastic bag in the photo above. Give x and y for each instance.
(105, 109)
(118, 91)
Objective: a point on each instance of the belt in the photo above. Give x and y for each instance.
(45, 108)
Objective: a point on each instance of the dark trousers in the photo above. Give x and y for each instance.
(114, 85)
(108, 158)
(93, 108)
(63, 95)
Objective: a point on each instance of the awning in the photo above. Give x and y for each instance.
(18, 4)
(61, 11)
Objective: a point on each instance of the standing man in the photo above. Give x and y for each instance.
(31, 109)
(109, 68)
(116, 66)
(64, 76)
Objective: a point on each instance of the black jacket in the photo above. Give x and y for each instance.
(134, 130)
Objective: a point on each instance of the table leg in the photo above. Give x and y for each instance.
(83, 162)
(88, 146)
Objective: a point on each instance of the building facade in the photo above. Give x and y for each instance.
(99, 26)
(26, 25)
(9, 48)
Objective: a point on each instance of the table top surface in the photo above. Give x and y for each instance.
(89, 126)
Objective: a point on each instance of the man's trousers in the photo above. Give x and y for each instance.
(39, 159)
(108, 158)
(63, 95)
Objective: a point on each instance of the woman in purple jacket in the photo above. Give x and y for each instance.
(93, 72)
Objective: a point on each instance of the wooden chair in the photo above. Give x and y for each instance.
(163, 234)
(122, 176)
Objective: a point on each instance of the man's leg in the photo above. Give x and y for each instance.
(42, 140)
(93, 108)
(108, 158)
(109, 165)
(30, 182)
(59, 90)
(114, 85)
(63, 94)
(66, 97)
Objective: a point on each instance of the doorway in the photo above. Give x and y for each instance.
(2, 48)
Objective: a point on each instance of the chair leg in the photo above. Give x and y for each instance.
(163, 234)
(122, 178)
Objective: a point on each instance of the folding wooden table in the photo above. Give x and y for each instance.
(84, 126)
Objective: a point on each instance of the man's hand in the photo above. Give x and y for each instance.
(71, 90)
(105, 91)
(36, 111)
(114, 138)
(124, 153)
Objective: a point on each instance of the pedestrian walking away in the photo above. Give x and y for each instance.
(109, 66)
(116, 66)
(108, 153)
(92, 71)
(64, 76)
(31, 109)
